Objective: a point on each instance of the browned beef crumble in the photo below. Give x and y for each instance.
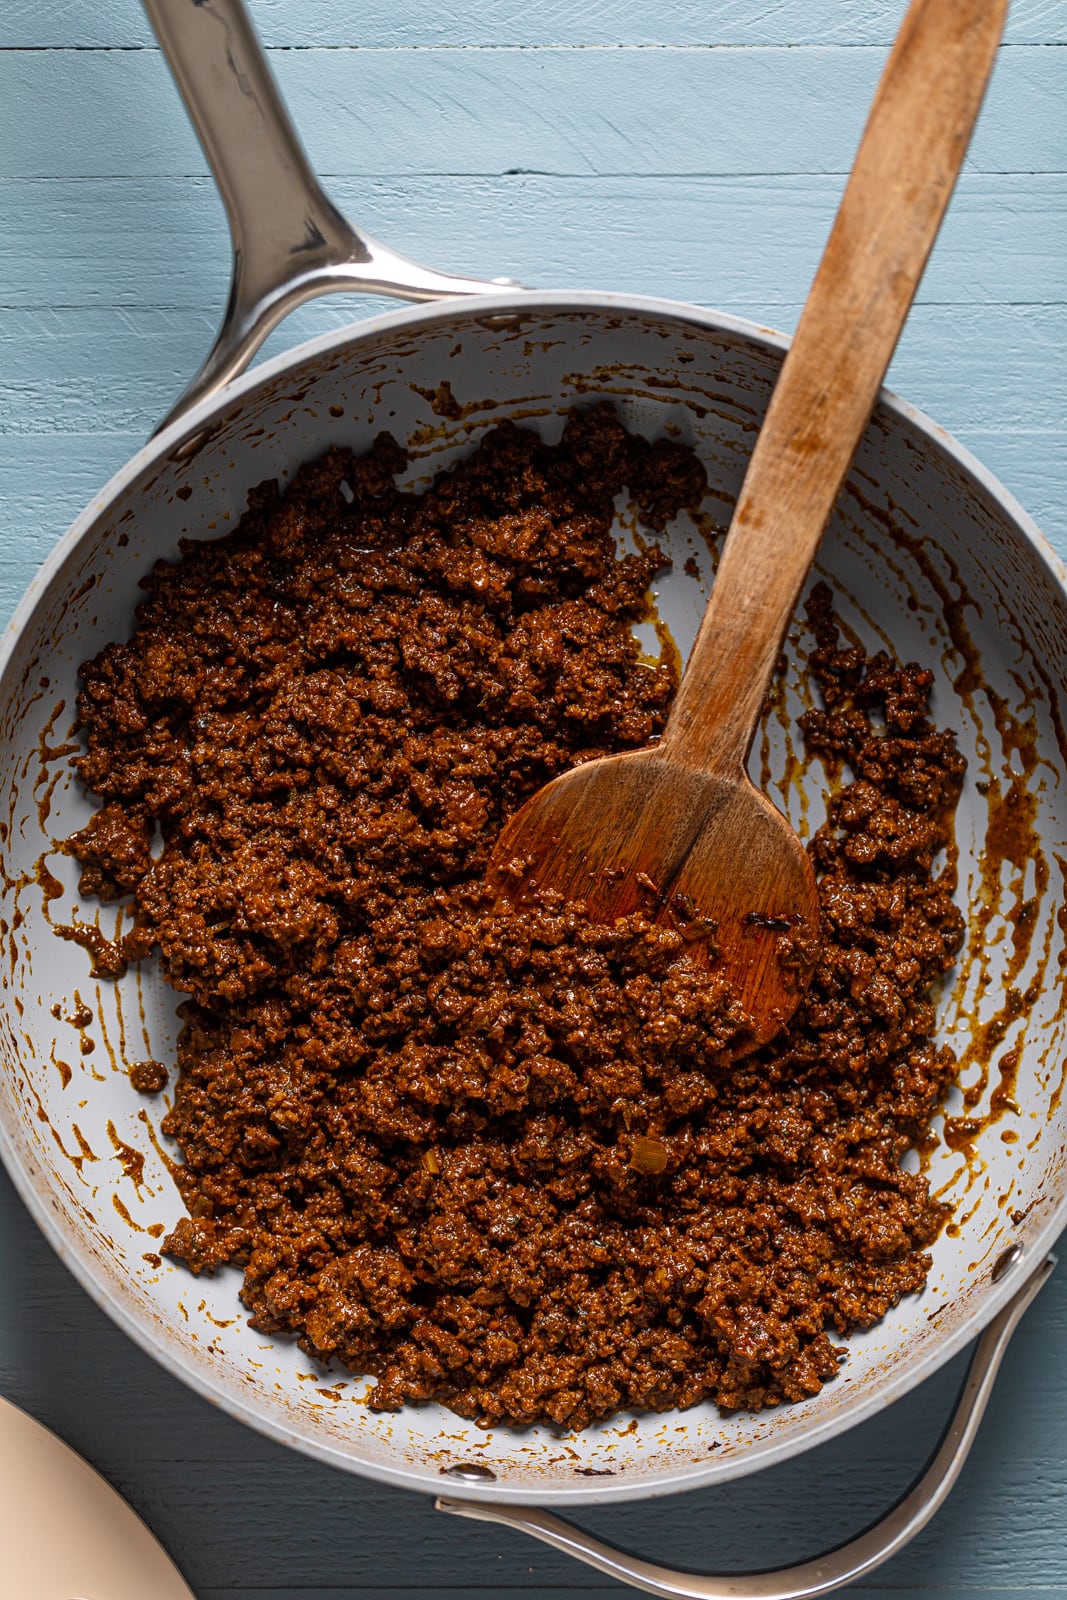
(502, 1161)
(147, 1077)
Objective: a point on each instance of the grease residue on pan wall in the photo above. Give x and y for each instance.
(1015, 930)
(1010, 883)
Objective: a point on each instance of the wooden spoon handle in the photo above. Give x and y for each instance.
(911, 151)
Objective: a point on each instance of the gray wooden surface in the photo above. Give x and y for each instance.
(693, 148)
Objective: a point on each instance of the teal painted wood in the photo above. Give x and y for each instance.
(698, 173)
(456, 23)
(560, 110)
(745, 243)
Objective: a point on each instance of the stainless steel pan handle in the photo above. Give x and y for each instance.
(290, 243)
(811, 1578)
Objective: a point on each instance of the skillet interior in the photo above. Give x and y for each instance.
(925, 553)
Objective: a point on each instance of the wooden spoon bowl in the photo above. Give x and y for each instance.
(641, 833)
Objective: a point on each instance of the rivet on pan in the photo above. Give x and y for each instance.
(501, 319)
(1005, 1261)
(189, 447)
(473, 1471)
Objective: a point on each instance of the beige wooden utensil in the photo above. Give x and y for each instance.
(679, 829)
(64, 1532)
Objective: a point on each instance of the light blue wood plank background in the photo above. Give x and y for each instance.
(696, 149)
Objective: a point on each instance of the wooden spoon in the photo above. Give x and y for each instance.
(678, 828)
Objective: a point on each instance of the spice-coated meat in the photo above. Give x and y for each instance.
(502, 1160)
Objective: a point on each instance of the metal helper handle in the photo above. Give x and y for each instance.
(844, 1565)
(290, 242)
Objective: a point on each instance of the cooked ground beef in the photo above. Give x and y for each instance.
(504, 1160)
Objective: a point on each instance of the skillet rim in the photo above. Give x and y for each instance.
(158, 451)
